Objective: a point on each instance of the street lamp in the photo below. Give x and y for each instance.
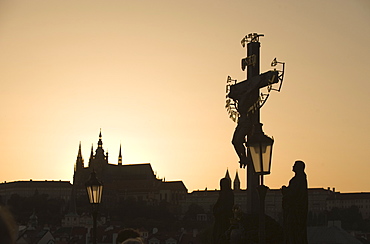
(94, 190)
(260, 148)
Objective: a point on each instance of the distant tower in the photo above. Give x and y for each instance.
(120, 156)
(227, 175)
(79, 161)
(99, 152)
(91, 154)
(99, 160)
(236, 182)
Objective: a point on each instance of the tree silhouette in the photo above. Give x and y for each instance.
(351, 217)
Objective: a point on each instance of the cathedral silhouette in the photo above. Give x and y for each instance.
(123, 181)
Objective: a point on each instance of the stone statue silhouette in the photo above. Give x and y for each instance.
(245, 124)
(222, 212)
(295, 206)
(247, 98)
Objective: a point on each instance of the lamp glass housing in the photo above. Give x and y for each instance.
(260, 148)
(94, 189)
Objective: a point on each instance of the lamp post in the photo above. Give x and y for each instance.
(260, 148)
(94, 190)
(243, 102)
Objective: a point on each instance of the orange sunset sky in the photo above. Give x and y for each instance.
(152, 76)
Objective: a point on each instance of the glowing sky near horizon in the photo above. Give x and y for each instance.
(152, 76)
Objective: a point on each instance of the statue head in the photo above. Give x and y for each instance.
(126, 234)
(299, 166)
(133, 241)
(225, 184)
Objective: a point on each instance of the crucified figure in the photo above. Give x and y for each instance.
(246, 96)
(244, 126)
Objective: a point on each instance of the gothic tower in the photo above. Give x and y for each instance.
(99, 160)
(227, 175)
(79, 165)
(120, 156)
(79, 161)
(236, 182)
(91, 154)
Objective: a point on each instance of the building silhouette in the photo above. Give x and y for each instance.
(138, 183)
(54, 189)
(320, 200)
(361, 200)
(124, 181)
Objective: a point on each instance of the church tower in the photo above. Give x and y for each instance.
(236, 182)
(79, 161)
(227, 175)
(91, 154)
(100, 159)
(99, 152)
(120, 156)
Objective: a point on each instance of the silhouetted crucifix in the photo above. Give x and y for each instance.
(243, 93)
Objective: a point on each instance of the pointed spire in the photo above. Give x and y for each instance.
(120, 155)
(227, 175)
(79, 161)
(99, 152)
(79, 151)
(236, 181)
(100, 142)
(92, 152)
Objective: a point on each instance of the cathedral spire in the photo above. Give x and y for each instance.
(92, 152)
(100, 142)
(236, 181)
(227, 175)
(79, 161)
(120, 156)
(99, 152)
(79, 154)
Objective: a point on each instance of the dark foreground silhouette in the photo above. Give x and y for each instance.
(223, 212)
(295, 206)
(245, 229)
